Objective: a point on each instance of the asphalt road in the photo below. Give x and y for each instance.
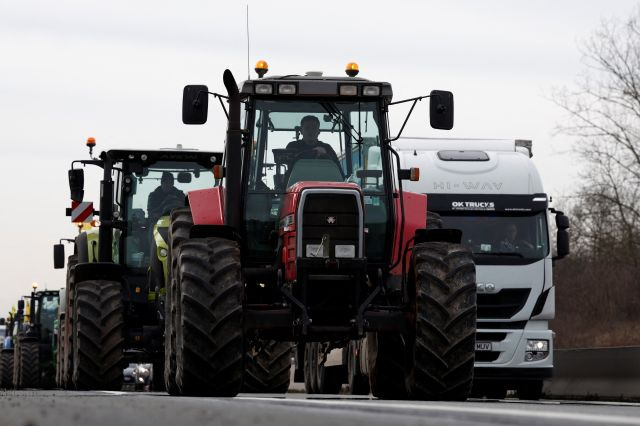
(62, 408)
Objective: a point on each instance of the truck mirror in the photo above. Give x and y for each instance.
(562, 221)
(76, 184)
(563, 243)
(58, 256)
(195, 103)
(21, 305)
(441, 109)
(184, 177)
(2, 321)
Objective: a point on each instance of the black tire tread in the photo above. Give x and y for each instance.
(209, 335)
(268, 369)
(6, 368)
(98, 335)
(444, 348)
(28, 371)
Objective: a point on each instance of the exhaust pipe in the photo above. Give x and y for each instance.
(233, 145)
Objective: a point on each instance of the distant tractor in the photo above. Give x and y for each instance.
(114, 298)
(34, 342)
(311, 239)
(6, 351)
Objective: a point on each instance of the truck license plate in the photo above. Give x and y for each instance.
(484, 346)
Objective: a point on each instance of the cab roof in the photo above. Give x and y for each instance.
(314, 85)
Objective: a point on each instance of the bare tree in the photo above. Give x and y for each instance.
(604, 114)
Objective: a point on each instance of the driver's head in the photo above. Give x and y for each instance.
(511, 232)
(310, 128)
(166, 181)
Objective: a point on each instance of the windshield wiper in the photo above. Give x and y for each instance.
(337, 115)
(499, 253)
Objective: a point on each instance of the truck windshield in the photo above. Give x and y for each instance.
(498, 237)
(296, 140)
(158, 189)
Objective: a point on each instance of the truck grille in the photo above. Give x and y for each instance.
(503, 304)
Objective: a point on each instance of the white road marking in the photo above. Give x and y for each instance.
(578, 417)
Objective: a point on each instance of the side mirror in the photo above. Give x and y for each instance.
(3, 321)
(562, 237)
(20, 305)
(58, 256)
(184, 177)
(195, 103)
(441, 109)
(76, 184)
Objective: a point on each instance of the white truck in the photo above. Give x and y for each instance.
(492, 192)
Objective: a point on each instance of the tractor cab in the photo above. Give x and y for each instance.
(128, 246)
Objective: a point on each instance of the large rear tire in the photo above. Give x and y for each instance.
(66, 369)
(6, 368)
(268, 367)
(310, 376)
(386, 358)
(358, 381)
(442, 347)
(98, 335)
(209, 335)
(181, 223)
(28, 371)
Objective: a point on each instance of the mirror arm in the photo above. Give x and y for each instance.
(415, 101)
(99, 163)
(220, 97)
(68, 240)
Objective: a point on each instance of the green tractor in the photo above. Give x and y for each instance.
(114, 298)
(6, 351)
(34, 351)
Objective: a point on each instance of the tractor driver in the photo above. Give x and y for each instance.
(310, 147)
(164, 198)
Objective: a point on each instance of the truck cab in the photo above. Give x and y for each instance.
(492, 191)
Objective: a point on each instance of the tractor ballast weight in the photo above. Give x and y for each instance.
(328, 251)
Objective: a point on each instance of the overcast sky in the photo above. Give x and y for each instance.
(115, 70)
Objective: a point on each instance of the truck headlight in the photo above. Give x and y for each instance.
(536, 350)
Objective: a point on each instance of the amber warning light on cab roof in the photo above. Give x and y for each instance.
(261, 68)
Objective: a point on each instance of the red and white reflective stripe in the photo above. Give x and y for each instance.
(81, 212)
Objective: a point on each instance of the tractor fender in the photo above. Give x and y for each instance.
(219, 231)
(207, 206)
(98, 271)
(453, 236)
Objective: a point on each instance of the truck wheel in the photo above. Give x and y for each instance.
(209, 335)
(531, 390)
(28, 372)
(310, 376)
(442, 345)
(66, 369)
(358, 382)
(98, 335)
(386, 358)
(268, 369)
(6, 368)
(181, 223)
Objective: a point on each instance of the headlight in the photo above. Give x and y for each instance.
(536, 350)
(348, 90)
(287, 89)
(345, 250)
(371, 91)
(264, 89)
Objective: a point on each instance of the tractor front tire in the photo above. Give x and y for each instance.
(181, 223)
(310, 376)
(268, 368)
(442, 345)
(6, 368)
(386, 358)
(98, 335)
(209, 334)
(66, 358)
(28, 371)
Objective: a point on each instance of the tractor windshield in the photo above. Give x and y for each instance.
(294, 141)
(150, 196)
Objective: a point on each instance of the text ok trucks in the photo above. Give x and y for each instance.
(317, 247)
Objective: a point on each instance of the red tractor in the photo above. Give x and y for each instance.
(310, 238)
